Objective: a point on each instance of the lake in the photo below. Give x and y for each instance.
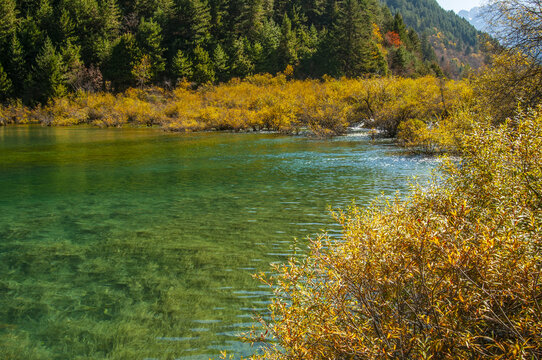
(140, 244)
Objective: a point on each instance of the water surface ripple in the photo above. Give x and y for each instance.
(136, 244)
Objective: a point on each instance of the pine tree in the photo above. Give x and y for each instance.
(8, 20)
(5, 85)
(253, 18)
(203, 68)
(118, 66)
(110, 17)
(16, 66)
(71, 57)
(400, 28)
(67, 27)
(351, 35)
(220, 60)
(241, 64)
(45, 19)
(163, 12)
(49, 75)
(181, 66)
(149, 40)
(288, 44)
(199, 17)
(399, 60)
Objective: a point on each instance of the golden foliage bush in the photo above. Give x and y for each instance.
(510, 80)
(451, 272)
(260, 102)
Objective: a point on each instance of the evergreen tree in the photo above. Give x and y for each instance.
(71, 57)
(270, 40)
(67, 27)
(149, 40)
(16, 66)
(110, 17)
(31, 38)
(203, 67)
(399, 27)
(5, 85)
(428, 53)
(220, 60)
(375, 61)
(181, 66)
(164, 11)
(288, 44)
(399, 60)
(252, 18)
(351, 34)
(241, 64)
(45, 20)
(118, 67)
(8, 20)
(198, 17)
(49, 75)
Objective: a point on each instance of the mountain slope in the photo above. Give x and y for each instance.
(424, 15)
(474, 17)
(455, 41)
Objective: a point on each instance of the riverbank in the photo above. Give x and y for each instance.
(261, 102)
(453, 270)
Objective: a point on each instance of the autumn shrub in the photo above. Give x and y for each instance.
(385, 103)
(511, 79)
(452, 271)
(259, 102)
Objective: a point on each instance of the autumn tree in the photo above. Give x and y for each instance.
(516, 73)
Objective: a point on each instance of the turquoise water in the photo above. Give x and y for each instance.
(137, 244)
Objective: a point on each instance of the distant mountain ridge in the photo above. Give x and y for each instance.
(475, 17)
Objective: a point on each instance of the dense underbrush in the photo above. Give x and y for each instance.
(451, 272)
(260, 102)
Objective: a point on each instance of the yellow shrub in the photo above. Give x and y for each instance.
(261, 102)
(451, 272)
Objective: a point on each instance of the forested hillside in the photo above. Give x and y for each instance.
(455, 41)
(51, 47)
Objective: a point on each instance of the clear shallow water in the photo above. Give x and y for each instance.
(136, 244)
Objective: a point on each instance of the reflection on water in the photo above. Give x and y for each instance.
(132, 243)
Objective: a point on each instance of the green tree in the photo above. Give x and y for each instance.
(16, 66)
(5, 85)
(67, 27)
(399, 27)
(198, 17)
(182, 66)
(44, 18)
(110, 15)
(399, 60)
(49, 75)
(149, 40)
(71, 57)
(288, 44)
(220, 61)
(118, 67)
(351, 35)
(241, 62)
(203, 67)
(8, 20)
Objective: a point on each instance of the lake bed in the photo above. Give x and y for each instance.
(140, 244)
